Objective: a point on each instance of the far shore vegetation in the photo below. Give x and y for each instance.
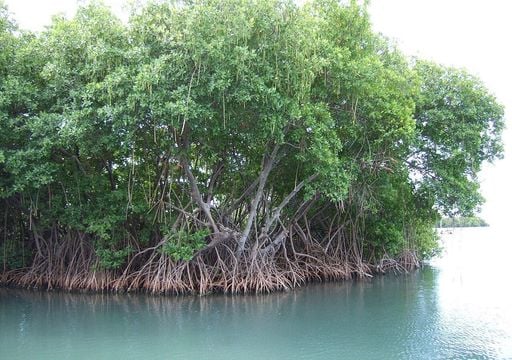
(462, 221)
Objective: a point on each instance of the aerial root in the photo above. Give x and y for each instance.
(218, 269)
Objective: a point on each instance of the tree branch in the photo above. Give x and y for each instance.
(196, 194)
(267, 165)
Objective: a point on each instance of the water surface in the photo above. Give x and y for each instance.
(458, 308)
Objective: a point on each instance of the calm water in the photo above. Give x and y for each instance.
(459, 308)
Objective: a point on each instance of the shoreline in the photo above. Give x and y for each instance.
(199, 278)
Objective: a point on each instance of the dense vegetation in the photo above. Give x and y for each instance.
(227, 145)
(462, 221)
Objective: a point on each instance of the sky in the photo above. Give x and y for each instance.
(471, 34)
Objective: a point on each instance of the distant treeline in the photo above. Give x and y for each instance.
(468, 221)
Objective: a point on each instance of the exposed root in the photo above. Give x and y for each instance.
(215, 269)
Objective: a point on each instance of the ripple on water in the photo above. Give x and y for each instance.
(453, 310)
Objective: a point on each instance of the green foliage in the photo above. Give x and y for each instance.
(425, 240)
(181, 245)
(109, 259)
(459, 126)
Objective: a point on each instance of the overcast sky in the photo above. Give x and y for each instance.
(465, 33)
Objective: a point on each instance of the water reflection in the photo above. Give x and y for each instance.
(441, 312)
(474, 290)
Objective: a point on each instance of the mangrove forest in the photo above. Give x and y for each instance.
(228, 146)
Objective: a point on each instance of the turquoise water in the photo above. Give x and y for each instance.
(454, 309)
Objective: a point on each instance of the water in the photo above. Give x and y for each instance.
(459, 308)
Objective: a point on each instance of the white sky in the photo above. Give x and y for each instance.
(473, 34)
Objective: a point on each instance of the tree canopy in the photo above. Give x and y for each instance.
(228, 145)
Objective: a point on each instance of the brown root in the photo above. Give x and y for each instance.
(214, 269)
